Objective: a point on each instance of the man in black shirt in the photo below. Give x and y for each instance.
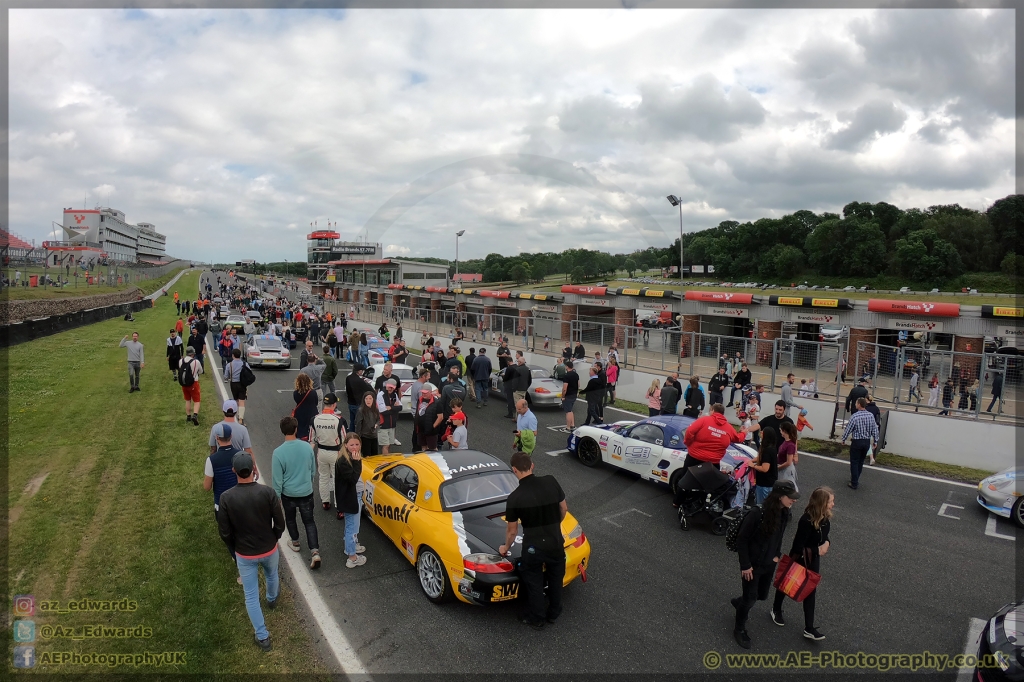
(579, 353)
(570, 390)
(669, 396)
(539, 504)
(567, 352)
(717, 385)
(858, 391)
(504, 356)
(774, 421)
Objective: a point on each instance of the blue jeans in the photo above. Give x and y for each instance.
(352, 409)
(351, 530)
(761, 493)
(250, 572)
(482, 387)
(858, 453)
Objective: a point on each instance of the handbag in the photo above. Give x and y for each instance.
(795, 580)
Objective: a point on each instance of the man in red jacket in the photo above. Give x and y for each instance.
(707, 438)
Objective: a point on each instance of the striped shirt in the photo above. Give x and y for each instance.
(861, 425)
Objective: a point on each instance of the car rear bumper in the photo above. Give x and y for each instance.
(546, 399)
(488, 588)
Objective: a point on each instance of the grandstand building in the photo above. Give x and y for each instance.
(104, 234)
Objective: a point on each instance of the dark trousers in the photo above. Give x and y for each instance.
(753, 591)
(653, 411)
(483, 387)
(691, 461)
(593, 411)
(808, 602)
(511, 400)
(995, 399)
(858, 453)
(304, 505)
(536, 571)
(716, 397)
(369, 446)
(732, 395)
(352, 409)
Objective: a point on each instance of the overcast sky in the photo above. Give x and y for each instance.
(232, 131)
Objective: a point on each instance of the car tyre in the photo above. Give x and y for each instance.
(1017, 512)
(433, 576)
(589, 452)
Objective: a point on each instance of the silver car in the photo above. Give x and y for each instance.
(266, 351)
(1003, 494)
(543, 391)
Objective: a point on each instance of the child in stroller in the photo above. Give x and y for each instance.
(719, 494)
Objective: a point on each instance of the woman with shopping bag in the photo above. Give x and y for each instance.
(798, 577)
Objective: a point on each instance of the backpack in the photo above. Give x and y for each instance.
(732, 533)
(246, 376)
(187, 376)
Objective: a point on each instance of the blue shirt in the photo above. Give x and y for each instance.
(861, 425)
(526, 422)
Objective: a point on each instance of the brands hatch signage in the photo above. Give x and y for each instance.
(728, 312)
(1011, 332)
(546, 308)
(475, 299)
(445, 297)
(719, 297)
(814, 318)
(914, 325)
(506, 304)
(654, 305)
(599, 302)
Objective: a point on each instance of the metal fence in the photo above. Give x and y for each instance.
(948, 382)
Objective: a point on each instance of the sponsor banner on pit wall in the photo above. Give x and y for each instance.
(814, 318)
(583, 289)
(885, 305)
(494, 294)
(1011, 332)
(809, 302)
(600, 302)
(447, 298)
(506, 304)
(720, 297)
(914, 325)
(654, 305)
(546, 308)
(728, 312)
(1001, 311)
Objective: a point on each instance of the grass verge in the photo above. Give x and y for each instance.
(147, 286)
(835, 449)
(106, 502)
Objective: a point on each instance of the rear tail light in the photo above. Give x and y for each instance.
(487, 563)
(576, 536)
(254, 353)
(285, 353)
(541, 390)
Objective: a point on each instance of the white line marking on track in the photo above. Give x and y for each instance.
(945, 506)
(556, 453)
(344, 652)
(612, 516)
(974, 629)
(990, 529)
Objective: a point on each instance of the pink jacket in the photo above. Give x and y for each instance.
(612, 373)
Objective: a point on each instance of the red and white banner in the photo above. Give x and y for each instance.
(720, 297)
(585, 290)
(885, 305)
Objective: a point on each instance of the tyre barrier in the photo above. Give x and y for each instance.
(27, 330)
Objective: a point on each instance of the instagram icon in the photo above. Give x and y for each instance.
(24, 605)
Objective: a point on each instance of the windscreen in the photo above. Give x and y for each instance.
(269, 344)
(478, 489)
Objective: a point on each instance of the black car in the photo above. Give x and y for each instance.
(1001, 651)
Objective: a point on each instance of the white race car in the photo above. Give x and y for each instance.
(405, 373)
(652, 448)
(1003, 494)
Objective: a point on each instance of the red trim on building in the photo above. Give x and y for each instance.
(885, 305)
(441, 290)
(719, 297)
(323, 234)
(384, 261)
(494, 294)
(585, 290)
(68, 210)
(395, 286)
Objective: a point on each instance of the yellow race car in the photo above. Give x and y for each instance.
(445, 512)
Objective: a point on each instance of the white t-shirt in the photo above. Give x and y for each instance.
(461, 438)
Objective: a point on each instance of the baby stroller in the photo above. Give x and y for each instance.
(721, 495)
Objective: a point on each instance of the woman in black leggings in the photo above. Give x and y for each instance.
(809, 545)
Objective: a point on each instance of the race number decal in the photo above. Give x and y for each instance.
(638, 452)
(368, 495)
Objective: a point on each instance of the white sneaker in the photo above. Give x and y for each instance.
(294, 545)
(358, 561)
(397, 442)
(360, 549)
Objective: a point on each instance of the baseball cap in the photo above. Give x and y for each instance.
(222, 431)
(459, 415)
(786, 488)
(358, 367)
(429, 387)
(242, 463)
(330, 399)
(229, 406)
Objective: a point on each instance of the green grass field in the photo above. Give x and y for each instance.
(106, 502)
(147, 286)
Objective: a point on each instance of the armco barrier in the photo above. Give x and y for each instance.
(27, 330)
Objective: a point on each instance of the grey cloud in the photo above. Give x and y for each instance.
(871, 120)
